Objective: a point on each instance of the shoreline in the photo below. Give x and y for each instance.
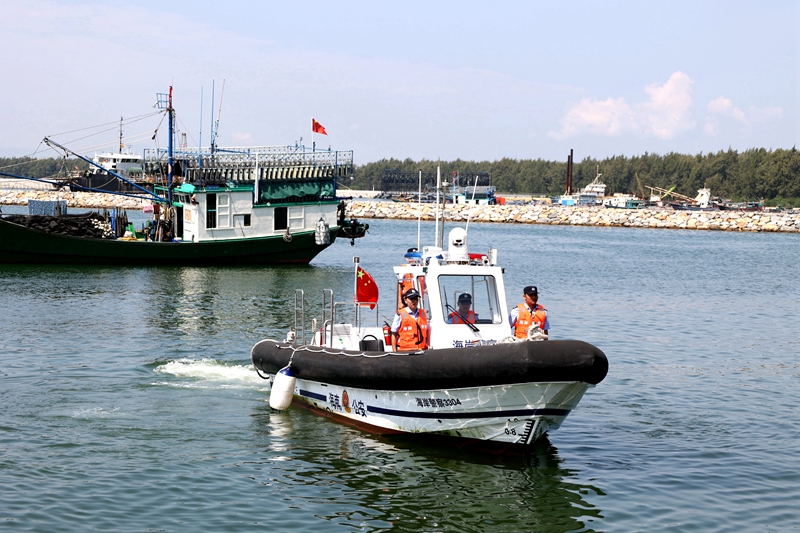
(664, 218)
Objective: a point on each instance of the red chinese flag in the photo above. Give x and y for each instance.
(316, 127)
(366, 288)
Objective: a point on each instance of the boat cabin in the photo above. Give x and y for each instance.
(441, 277)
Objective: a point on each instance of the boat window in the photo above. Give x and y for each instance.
(482, 289)
(211, 211)
(281, 218)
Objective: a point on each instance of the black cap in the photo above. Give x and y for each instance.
(530, 290)
(465, 297)
(411, 293)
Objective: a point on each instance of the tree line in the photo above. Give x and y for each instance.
(49, 167)
(755, 174)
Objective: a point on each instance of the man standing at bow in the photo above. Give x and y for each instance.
(528, 312)
(410, 326)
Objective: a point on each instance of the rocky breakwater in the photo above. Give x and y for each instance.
(88, 200)
(780, 221)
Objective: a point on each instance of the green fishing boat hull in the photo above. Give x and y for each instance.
(19, 244)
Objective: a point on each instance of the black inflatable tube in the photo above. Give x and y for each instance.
(500, 364)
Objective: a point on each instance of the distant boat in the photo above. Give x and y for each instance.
(623, 201)
(702, 202)
(594, 192)
(743, 206)
(126, 164)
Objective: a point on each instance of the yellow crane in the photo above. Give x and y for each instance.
(668, 192)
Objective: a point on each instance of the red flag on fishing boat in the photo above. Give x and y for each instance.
(316, 127)
(366, 288)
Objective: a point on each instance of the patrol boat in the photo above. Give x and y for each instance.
(475, 382)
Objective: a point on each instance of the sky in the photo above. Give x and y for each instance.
(471, 80)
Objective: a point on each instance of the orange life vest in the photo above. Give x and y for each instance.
(525, 319)
(413, 334)
(471, 317)
(406, 283)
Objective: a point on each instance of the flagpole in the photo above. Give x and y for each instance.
(438, 186)
(466, 228)
(356, 261)
(419, 211)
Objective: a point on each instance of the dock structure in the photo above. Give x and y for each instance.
(408, 183)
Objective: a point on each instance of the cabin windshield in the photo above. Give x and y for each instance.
(483, 291)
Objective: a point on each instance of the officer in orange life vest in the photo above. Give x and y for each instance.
(410, 326)
(464, 312)
(523, 315)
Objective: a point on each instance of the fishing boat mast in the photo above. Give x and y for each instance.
(164, 101)
(170, 112)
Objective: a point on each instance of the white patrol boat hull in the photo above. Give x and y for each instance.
(504, 393)
(506, 414)
(471, 380)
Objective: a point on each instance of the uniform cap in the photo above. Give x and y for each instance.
(411, 293)
(530, 290)
(465, 297)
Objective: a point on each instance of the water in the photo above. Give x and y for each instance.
(127, 401)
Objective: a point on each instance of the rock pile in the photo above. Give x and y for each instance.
(92, 225)
(89, 200)
(782, 221)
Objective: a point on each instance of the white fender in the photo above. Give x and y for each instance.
(282, 389)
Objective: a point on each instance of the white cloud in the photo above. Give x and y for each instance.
(722, 110)
(610, 117)
(764, 114)
(724, 106)
(242, 139)
(666, 115)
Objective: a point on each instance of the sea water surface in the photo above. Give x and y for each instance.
(128, 401)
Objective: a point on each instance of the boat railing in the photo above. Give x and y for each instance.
(300, 306)
(330, 310)
(357, 315)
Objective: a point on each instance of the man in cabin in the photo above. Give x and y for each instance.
(528, 312)
(463, 313)
(410, 326)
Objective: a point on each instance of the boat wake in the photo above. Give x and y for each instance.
(207, 373)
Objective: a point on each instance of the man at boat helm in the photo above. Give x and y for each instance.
(528, 312)
(463, 313)
(410, 326)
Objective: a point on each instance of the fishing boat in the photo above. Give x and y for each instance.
(623, 201)
(233, 206)
(702, 202)
(594, 192)
(476, 383)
